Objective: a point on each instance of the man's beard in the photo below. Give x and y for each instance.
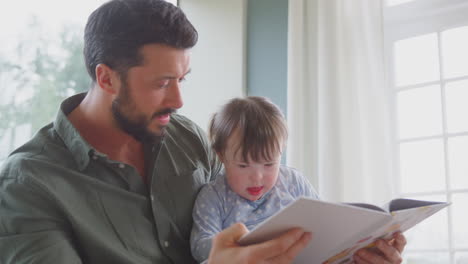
(136, 127)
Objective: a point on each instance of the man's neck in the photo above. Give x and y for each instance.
(93, 120)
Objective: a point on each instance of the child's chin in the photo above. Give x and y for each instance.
(254, 197)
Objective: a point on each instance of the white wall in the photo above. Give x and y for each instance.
(218, 60)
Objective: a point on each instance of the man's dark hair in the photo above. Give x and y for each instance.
(116, 31)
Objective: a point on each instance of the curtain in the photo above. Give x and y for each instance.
(338, 107)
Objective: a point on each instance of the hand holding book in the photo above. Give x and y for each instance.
(339, 230)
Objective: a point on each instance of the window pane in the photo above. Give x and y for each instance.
(41, 62)
(461, 258)
(426, 258)
(5, 141)
(397, 2)
(432, 233)
(454, 52)
(458, 165)
(419, 112)
(416, 60)
(456, 96)
(422, 166)
(460, 219)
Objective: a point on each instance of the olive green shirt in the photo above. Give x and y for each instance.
(61, 201)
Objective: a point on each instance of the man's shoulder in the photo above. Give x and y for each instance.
(19, 163)
(43, 148)
(219, 184)
(186, 140)
(184, 131)
(182, 122)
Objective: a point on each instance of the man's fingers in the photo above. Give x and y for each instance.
(282, 249)
(230, 235)
(364, 256)
(390, 252)
(400, 241)
(358, 260)
(278, 246)
(294, 250)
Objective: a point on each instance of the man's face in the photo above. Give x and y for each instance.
(151, 92)
(249, 179)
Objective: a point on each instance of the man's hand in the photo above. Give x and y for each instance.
(389, 251)
(282, 249)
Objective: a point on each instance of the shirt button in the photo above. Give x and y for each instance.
(166, 243)
(121, 165)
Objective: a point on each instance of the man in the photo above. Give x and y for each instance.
(113, 179)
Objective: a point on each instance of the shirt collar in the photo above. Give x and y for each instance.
(79, 148)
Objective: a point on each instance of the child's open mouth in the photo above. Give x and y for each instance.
(255, 190)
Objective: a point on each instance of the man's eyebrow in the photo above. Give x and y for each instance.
(172, 77)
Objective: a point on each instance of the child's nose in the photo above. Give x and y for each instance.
(256, 175)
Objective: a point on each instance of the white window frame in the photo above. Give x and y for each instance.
(412, 19)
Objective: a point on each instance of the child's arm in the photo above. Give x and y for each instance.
(207, 222)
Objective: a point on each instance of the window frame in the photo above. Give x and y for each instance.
(412, 19)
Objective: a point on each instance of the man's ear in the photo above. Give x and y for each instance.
(107, 79)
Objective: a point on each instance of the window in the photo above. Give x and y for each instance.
(426, 49)
(41, 63)
(397, 2)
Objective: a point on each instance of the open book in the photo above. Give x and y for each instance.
(339, 230)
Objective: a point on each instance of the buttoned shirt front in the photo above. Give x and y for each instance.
(62, 201)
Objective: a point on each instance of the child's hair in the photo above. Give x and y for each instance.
(259, 124)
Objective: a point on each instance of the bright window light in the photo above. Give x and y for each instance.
(397, 2)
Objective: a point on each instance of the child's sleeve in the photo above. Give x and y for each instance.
(207, 222)
(304, 187)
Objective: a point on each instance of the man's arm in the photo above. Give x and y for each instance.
(31, 230)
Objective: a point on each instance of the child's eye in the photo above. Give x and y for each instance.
(242, 166)
(269, 164)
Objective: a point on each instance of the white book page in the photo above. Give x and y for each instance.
(330, 224)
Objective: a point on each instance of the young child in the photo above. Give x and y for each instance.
(248, 135)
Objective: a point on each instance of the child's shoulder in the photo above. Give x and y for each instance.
(286, 171)
(218, 185)
(290, 176)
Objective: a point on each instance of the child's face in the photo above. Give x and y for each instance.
(250, 179)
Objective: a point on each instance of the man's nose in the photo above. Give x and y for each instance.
(174, 96)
